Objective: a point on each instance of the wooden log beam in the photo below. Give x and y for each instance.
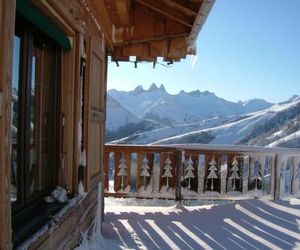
(167, 11)
(101, 15)
(7, 21)
(150, 39)
(49, 11)
(205, 8)
(111, 8)
(123, 10)
(184, 10)
(177, 48)
(68, 15)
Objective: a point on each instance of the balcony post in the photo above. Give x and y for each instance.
(274, 174)
(178, 173)
(246, 174)
(279, 171)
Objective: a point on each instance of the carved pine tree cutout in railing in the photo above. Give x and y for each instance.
(234, 173)
(203, 173)
(212, 173)
(167, 173)
(145, 171)
(122, 171)
(189, 171)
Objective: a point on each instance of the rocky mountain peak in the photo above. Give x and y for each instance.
(154, 87)
(138, 89)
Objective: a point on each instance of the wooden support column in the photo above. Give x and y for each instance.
(274, 174)
(246, 174)
(201, 174)
(7, 24)
(278, 173)
(225, 183)
(295, 176)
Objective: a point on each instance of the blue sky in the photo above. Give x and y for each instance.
(246, 49)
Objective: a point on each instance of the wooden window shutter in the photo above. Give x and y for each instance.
(96, 111)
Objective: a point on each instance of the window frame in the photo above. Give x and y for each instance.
(27, 205)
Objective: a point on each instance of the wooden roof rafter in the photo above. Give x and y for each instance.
(151, 39)
(124, 11)
(179, 7)
(148, 29)
(203, 12)
(100, 16)
(168, 11)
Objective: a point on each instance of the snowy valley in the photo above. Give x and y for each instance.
(154, 116)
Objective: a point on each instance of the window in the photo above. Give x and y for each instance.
(35, 123)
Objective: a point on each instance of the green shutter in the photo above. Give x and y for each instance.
(30, 12)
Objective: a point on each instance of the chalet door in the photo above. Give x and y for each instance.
(96, 112)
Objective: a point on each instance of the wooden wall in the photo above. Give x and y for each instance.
(66, 233)
(74, 19)
(89, 43)
(86, 38)
(7, 13)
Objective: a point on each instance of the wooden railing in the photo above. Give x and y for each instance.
(201, 171)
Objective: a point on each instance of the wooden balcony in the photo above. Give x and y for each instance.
(201, 171)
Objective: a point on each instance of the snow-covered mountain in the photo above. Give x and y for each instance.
(166, 132)
(117, 115)
(275, 126)
(170, 110)
(289, 141)
(201, 117)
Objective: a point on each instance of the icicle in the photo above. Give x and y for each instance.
(194, 59)
(83, 158)
(192, 50)
(81, 189)
(95, 240)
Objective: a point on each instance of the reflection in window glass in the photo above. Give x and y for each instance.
(42, 123)
(14, 118)
(33, 131)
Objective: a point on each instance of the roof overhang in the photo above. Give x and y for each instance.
(146, 29)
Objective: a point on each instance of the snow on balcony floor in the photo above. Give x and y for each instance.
(252, 224)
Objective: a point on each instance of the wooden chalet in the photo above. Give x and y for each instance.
(53, 71)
